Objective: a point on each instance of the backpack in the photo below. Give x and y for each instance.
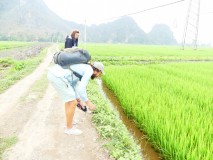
(70, 56)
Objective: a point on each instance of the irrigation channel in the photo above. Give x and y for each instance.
(147, 150)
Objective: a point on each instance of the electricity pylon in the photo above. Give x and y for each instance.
(190, 34)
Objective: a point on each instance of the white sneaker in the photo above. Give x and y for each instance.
(73, 131)
(75, 121)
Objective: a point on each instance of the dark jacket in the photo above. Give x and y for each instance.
(70, 42)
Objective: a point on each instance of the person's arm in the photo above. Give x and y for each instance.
(65, 44)
(68, 43)
(76, 42)
(83, 99)
(90, 105)
(83, 84)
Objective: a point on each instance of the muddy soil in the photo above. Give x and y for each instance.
(24, 52)
(39, 124)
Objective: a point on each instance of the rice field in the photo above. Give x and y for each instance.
(171, 102)
(126, 52)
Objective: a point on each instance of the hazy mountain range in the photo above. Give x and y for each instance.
(32, 20)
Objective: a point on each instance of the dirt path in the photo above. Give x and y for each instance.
(39, 125)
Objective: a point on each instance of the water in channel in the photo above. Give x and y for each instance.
(147, 150)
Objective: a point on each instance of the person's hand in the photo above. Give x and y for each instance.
(90, 105)
(78, 100)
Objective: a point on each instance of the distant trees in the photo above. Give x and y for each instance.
(52, 37)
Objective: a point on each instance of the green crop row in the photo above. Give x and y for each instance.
(137, 54)
(171, 103)
(118, 52)
(13, 44)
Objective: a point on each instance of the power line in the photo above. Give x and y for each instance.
(206, 13)
(164, 5)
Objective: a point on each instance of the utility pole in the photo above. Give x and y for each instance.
(190, 34)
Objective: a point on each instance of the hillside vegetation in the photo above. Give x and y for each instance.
(28, 20)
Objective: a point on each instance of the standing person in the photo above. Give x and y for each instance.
(73, 89)
(72, 40)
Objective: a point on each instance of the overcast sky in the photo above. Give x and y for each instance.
(102, 11)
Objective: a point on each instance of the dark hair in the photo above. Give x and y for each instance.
(73, 33)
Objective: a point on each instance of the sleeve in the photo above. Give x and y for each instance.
(83, 84)
(65, 46)
(68, 43)
(77, 42)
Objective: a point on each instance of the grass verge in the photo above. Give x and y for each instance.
(118, 140)
(6, 143)
(12, 70)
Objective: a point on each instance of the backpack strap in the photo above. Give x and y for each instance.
(76, 74)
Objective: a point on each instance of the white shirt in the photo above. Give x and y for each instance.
(79, 86)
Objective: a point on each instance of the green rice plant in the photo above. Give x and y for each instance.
(171, 103)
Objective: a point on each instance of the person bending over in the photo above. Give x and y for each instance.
(72, 88)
